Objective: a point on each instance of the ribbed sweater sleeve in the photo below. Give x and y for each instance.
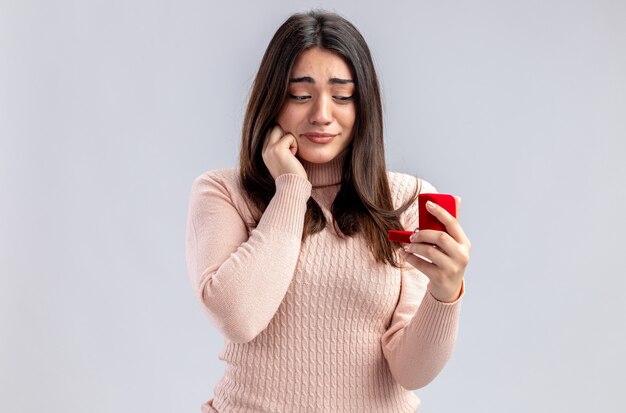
(241, 278)
(423, 331)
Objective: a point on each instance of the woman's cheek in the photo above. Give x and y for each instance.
(287, 121)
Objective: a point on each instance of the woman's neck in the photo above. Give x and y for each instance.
(325, 174)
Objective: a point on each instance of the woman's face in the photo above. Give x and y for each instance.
(319, 109)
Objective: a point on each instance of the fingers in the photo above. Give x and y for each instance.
(273, 136)
(290, 142)
(279, 150)
(428, 251)
(451, 223)
(444, 269)
(447, 247)
(421, 264)
(441, 256)
(277, 136)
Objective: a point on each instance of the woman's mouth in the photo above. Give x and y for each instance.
(319, 137)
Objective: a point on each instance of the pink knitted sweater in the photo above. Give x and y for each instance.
(317, 326)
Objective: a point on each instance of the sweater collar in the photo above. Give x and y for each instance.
(325, 174)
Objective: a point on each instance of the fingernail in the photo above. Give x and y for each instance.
(430, 204)
(406, 247)
(412, 237)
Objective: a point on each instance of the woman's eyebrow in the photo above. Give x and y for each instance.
(309, 79)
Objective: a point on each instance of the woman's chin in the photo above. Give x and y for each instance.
(316, 156)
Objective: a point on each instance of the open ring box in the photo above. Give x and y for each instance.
(426, 219)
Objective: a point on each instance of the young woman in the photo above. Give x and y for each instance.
(289, 254)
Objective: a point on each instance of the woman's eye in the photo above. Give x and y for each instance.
(298, 98)
(343, 98)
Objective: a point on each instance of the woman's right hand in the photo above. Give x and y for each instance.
(279, 153)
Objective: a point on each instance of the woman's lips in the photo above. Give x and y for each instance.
(319, 137)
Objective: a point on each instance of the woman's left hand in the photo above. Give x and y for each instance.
(449, 253)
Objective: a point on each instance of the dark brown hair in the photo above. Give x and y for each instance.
(363, 203)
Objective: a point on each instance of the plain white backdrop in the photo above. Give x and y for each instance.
(110, 109)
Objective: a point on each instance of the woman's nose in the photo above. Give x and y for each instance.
(321, 111)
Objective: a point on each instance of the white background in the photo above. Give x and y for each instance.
(110, 109)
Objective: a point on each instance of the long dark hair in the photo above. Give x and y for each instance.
(363, 203)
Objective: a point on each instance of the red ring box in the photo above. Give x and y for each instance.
(426, 219)
(399, 235)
